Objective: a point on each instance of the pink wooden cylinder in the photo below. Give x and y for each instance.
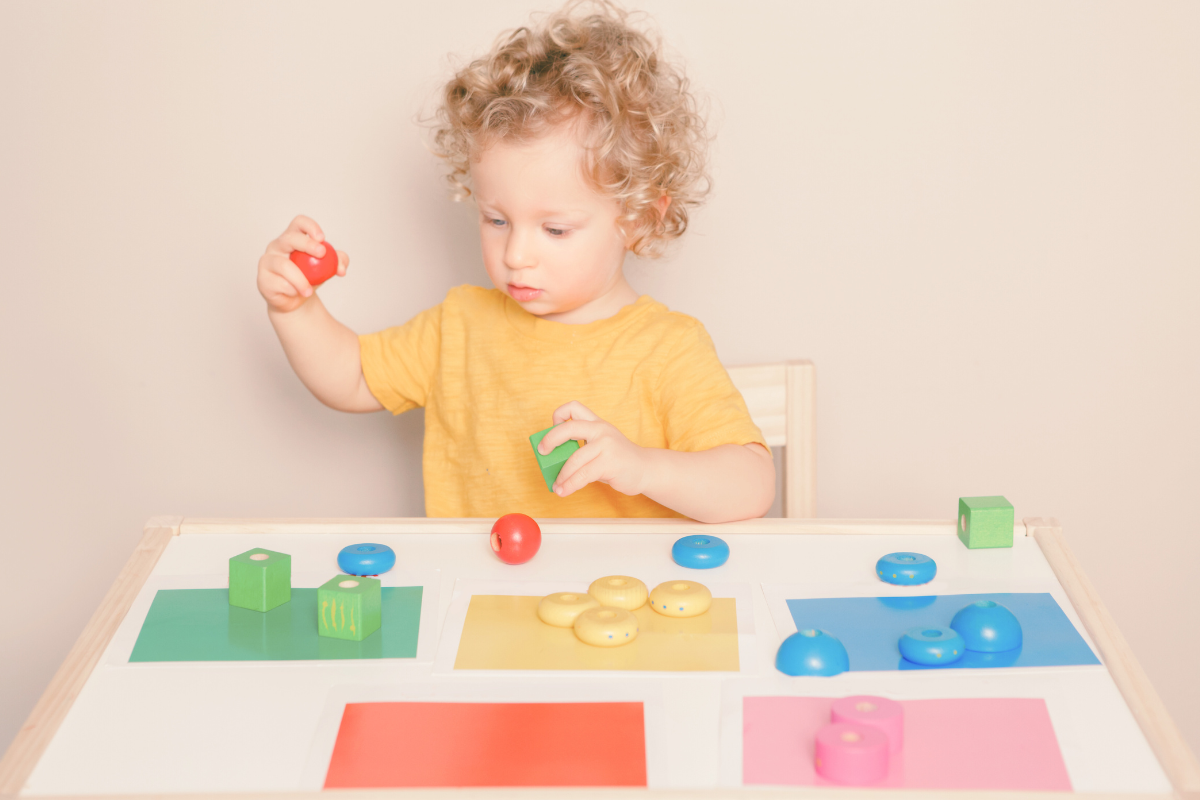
(850, 754)
(876, 712)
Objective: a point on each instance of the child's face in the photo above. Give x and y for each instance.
(550, 241)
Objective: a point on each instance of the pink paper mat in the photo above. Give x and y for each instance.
(1000, 743)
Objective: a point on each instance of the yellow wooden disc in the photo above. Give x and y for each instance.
(605, 626)
(619, 591)
(680, 599)
(561, 608)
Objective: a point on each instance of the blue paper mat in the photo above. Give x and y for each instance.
(870, 628)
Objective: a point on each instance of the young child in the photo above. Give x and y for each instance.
(579, 143)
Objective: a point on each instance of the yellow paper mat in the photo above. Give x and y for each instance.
(504, 632)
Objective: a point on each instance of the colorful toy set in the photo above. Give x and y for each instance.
(604, 616)
(862, 736)
(348, 606)
(983, 626)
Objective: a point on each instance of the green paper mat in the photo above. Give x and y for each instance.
(200, 625)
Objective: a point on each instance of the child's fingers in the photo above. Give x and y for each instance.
(579, 470)
(295, 240)
(343, 262)
(307, 226)
(292, 274)
(572, 410)
(566, 431)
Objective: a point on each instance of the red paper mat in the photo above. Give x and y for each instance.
(489, 744)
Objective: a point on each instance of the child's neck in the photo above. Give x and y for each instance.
(607, 304)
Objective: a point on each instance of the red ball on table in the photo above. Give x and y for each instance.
(316, 270)
(516, 538)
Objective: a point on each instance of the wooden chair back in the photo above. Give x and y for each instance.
(782, 399)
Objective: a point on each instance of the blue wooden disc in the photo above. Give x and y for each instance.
(988, 627)
(366, 559)
(811, 652)
(906, 569)
(931, 645)
(700, 552)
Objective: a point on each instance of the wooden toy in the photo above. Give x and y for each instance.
(349, 608)
(619, 591)
(987, 627)
(606, 626)
(260, 579)
(700, 552)
(366, 559)
(886, 716)
(316, 270)
(906, 569)
(680, 599)
(552, 464)
(985, 522)
(811, 652)
(561, 608)
(850, 754)
(516, 538)
(929, 645)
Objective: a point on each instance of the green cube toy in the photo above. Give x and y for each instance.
(349, 607)
(985, 522)
(260, 579)
(552, 464)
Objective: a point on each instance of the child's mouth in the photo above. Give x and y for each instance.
(523, 294)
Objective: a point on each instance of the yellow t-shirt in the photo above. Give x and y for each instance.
(489, 374)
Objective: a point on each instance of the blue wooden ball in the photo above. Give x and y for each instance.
(906, 569)
(931, 645)
(811, 652)
(366, 559)
(988, 627)
(700, 552)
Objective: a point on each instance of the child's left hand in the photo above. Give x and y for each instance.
(607, 456)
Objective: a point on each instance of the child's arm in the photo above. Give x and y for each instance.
(323, 352)
(724, 484)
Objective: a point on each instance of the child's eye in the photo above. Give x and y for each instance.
(497, 223)
(556, 231)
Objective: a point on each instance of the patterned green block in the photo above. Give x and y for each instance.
(552, 464)
(348, 607)
(985, 522)
(260, 579)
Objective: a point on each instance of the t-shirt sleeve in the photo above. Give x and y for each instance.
(701, 407)
(399, 363)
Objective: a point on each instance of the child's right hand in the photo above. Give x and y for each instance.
(280, 282)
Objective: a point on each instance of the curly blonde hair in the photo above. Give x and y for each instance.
(644, 135)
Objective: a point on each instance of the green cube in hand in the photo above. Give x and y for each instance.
(552, 464)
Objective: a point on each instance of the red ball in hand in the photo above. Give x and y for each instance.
(516, 538)
(317, 270)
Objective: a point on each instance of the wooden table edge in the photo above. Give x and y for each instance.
(1163, 735)
(1160, 730)
(43, 722)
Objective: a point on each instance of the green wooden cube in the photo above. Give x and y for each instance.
(552, 464)
(349, 607)
(260, 579)
(985, 522)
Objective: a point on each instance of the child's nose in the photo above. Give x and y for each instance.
(519, 252)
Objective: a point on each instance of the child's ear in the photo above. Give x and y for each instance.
(663, 204)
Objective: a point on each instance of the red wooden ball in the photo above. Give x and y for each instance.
(516, 538)
(316, 270)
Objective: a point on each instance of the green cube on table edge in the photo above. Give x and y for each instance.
(984, 522)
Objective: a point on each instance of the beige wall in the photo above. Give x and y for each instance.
(979, 219)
